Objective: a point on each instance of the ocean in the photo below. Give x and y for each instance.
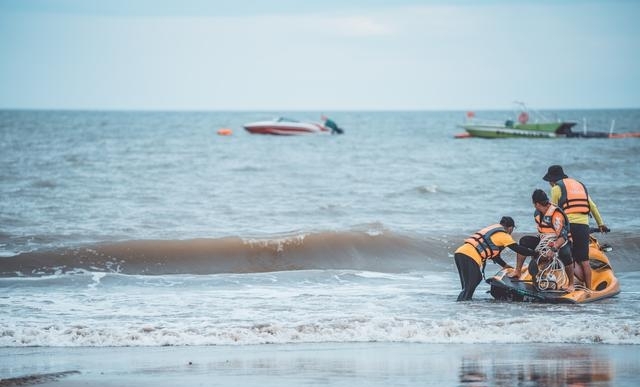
(127, 229)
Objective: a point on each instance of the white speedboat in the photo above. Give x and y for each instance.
(285, 127)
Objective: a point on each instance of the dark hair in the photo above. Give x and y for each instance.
(539, 196)
(507, 221)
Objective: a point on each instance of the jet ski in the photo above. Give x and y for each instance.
(546, 285)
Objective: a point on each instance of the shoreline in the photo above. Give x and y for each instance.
(352, 364)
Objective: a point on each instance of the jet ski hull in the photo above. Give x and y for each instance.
(506, 288)
(603, 281)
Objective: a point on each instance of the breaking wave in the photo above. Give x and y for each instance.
(443, 331)
(382, 251)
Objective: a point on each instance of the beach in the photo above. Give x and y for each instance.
(284, 194)
(336, 364)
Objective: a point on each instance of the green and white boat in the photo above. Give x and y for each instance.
(521, 127)
(488, 129)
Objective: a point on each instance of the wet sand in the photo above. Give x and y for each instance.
(336, 364)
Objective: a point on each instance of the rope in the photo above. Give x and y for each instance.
(551, 274)
(583, 288)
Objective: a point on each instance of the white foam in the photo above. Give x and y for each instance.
(362, 329)
(106, 309)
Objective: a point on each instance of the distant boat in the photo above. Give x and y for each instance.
(285, 127)
(521, 127)
(487, 129)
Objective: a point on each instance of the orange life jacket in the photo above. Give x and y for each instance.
(574, 198)
(481, 240)
(545, 222)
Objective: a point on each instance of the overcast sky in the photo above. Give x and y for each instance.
(318, 55)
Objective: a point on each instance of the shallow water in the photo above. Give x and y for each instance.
(77, 177)
(148, 229)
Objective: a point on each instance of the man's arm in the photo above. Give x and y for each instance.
(501, 262)
(522, 250)
(596, 214)
(556, 192)
(558, 226)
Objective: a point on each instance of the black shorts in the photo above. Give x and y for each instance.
(564, 254)
(529, 241)
(580, 243)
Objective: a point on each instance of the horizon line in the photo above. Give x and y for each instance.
(244, 110)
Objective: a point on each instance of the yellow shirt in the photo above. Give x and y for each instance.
(501, 239)
(554, 198)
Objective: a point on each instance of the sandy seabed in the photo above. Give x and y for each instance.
(336, 364)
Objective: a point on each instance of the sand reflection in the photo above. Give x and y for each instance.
(545, 367)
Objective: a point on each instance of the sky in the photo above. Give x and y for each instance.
(318, 55)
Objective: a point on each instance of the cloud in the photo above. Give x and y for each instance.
(435, 56)
(360, 26)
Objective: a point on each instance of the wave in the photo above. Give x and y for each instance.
(509, 330)
(418, 190)
(382, 251)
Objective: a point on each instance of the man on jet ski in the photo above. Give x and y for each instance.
(572, 196)
(485, 244)
(553, 228)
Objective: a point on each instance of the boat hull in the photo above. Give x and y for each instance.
(506, 288)
(285, 129)
(538, 130)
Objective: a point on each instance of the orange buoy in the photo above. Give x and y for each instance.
(225, 132)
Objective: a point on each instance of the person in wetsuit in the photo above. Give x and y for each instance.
(329, 123)
(483, 245)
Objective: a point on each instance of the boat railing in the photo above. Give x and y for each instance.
(531, 113)
(482, 120)
(488, 122)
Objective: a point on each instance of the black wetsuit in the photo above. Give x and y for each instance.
(470, 273)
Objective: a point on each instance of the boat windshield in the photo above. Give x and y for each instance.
(285, 119)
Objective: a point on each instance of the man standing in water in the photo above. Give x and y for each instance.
(485, 244)
(329, 123)
(571, 195)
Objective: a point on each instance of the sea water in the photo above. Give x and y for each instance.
(148, 229)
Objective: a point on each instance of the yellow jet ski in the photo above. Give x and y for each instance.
(545, 286)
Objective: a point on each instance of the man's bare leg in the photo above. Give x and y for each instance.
(586, 273)
(568, 269)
